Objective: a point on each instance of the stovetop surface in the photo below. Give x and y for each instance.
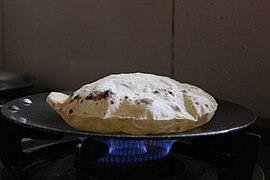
(29, 145)
(202, 145)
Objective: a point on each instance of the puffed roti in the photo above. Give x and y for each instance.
(135, 103)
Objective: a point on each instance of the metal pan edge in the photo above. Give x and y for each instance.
(229, 117)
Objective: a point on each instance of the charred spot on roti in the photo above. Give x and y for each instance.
(156, 92)
(91, 96)
(125, 85)
(206, 105)
(197, 103)
(147, 101)
(171, 93)
(77, 97)
(98, 95)
(112, 102)
(71, 100)
(108, 94)
(137, 101)
(126, 97)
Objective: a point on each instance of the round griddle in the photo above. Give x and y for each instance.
(9, 82)
(34, 112)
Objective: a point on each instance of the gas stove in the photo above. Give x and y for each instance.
(30, 154)
(36, 148)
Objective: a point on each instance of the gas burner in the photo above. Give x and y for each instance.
(72, 159)
(217, 150)
(57, 166)
(135, 151)
(170, 168)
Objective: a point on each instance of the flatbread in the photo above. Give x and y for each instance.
(136, 104)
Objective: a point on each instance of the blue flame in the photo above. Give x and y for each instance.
(124, 148)
(134, 151)
(82, 138)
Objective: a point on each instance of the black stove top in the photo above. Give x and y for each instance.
(54, 156)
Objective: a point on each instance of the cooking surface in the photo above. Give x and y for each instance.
(33, 111)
